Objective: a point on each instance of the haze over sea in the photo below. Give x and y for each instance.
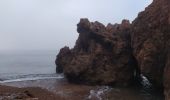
(40, 25)
(27, 65)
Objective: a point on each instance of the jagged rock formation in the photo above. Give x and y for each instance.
(150, 37)
(102, 55)
(111, 55)
(151, 43)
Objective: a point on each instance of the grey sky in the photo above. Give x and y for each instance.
(51, 24)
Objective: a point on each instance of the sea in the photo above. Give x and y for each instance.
(37, 69)
(27, 65)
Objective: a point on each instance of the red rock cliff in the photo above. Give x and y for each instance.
(151, 43)
(102, 55)
(111, 55)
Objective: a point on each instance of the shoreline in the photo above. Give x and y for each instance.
(58, 89)
(29, 77)
(63, 90)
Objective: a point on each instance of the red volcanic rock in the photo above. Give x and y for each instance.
(61, 59)
(167, 80)
(167, 73)
(102, 55)
(110, 55)
(151, 43)
(150, 36)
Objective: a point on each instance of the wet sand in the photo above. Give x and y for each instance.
(60, 89)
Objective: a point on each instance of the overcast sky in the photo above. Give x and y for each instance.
(51, 24)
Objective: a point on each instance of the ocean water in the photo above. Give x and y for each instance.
(27, 65)
(37, 69)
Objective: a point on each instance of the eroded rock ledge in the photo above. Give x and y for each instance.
(111, 55)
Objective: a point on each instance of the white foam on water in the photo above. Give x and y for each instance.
(97, 94)
(145, 82)
(32, 77)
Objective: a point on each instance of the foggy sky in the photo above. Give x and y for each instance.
(51, 24)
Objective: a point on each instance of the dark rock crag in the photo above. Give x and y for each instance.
(111, 55)
(102, 55)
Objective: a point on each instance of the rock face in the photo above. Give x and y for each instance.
(167, 79)
(102, 55)
(112, 54)
(151, 43)
(150, 39)
(167, 73)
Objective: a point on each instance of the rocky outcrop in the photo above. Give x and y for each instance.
(151, 43)
(150, 38)
(167, 73)
(167, 79)
(62, 59)
(112, 54)
(102, 55)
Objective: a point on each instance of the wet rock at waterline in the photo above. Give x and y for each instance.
(62, 59)
(167, 76)
(102, 55)
(167, 81)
